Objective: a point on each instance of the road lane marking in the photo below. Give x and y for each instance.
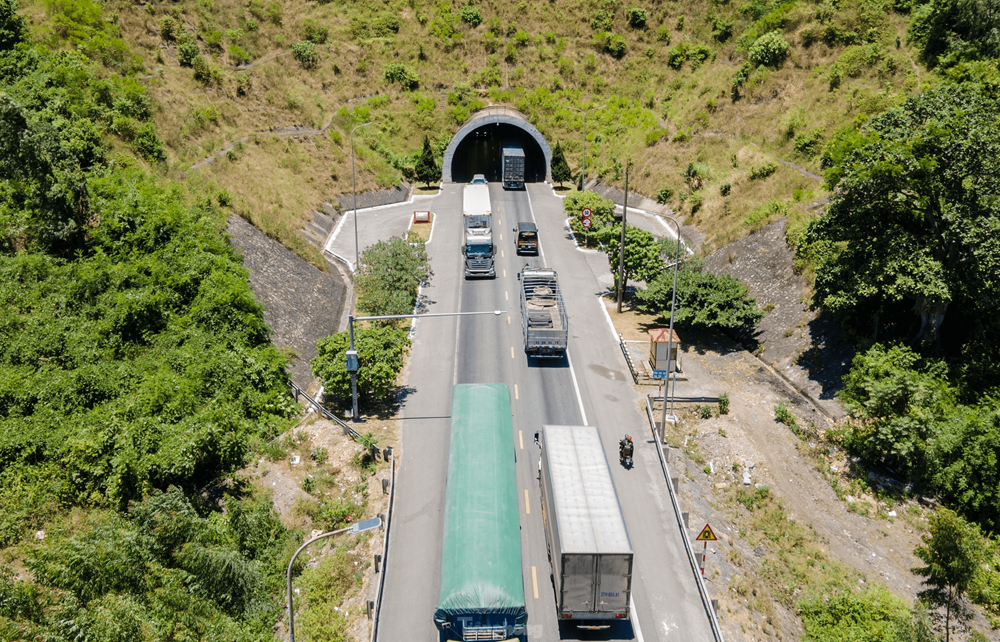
(527, 506)
(534, 581)
(531, 209)
(520, 438)
(634, 618)
(508, 319)
(506, 297)
(501, 237)
(512, 352)
(516, 397)
(501, 254)
(505, 272)
(576, 386)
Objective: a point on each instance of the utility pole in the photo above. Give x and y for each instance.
(583, 172)
(621, 246)
(671, 345)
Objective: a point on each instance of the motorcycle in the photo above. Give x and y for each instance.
(626, 460)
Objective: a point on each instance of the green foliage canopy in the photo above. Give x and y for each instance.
(426, 167)
(642, 255)
(381, 352)
(560, 168)
(952, 31)
(389, 275)
(704, 299)
(914, 223)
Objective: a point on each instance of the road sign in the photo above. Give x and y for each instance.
(706, 535)
(586, 223)
(586, 212)
(659, 374)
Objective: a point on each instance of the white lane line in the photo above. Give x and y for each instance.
(634, 619)
(505, 272)
(458, 332)
(520, 439)
(531, 209)
(607, 315)
(508, 319)
(527, 506)
(576, 386)
(430, 237)
(516, 396)
(511, 352)
(534, 581)
(501, 254)
(506, 297)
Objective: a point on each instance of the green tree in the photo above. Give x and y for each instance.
(381, 353)
(952, 550)
(642, 255)
(560, 168)
(949, 32)
(12, 26)
(389, 275)
(704, 299)
(913, 223)
(426, 166)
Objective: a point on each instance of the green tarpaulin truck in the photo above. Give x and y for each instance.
(482, 591)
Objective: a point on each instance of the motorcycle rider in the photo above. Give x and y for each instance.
(625, 447)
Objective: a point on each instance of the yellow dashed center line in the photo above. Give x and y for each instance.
(505, 272)
(534, 581)
(520, 438)
(512, 352)
(516, 397)
(527, 506)
(506, 297)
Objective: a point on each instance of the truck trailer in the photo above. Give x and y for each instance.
(544, 322)
(512, 166)
(589, 547)
(482, 589)
(477, 247)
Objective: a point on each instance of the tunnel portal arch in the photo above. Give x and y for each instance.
(475, 149)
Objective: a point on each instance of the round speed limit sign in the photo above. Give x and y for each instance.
(586, 223)
(586, 212)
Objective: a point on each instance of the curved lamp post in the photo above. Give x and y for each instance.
(670, 336)
(583, 172)
(354, 189)
(360, 527)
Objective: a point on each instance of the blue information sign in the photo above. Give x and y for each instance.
(659, 374)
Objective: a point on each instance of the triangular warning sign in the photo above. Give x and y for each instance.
(706, 535)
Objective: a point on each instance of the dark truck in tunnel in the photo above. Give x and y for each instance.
(512, 166)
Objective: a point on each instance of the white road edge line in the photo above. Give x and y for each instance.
(541, 252)
(576, 387)
(575, 242)
(635, 619)
(607, 315)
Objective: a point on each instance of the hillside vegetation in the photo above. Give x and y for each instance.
(692, 96)
(136, 376)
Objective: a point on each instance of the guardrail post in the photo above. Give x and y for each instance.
(378, 561)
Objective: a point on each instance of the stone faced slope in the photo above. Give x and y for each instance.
(806, 349)
(301, 303)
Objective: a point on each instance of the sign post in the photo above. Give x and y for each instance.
(706, 535)
(586, 223)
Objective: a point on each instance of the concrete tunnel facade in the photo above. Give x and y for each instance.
(475, 149)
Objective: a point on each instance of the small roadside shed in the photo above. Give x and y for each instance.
(663, 349)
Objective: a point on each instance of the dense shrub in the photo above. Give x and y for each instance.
(398, 73)
(664, 194)
(636, 17)
(761, 172)
(704, 299)
(769, 50)
(381, 353)
(305, 53)
(471, 15)
(314, 32)
(388, 276)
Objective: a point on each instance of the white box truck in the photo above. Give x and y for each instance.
(478, 248)
(588, 544)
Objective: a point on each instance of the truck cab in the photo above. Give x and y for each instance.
(527, 237)
(478, 249)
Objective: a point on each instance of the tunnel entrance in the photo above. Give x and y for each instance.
(479, 153)
(475, 149)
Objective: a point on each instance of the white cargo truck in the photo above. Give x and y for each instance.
(478, 249)
(589, 548)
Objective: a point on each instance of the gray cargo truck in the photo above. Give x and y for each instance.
(543, 313)
(513, 167)
(588, 544)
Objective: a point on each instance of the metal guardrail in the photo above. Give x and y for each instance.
(354, 434)
(385, 548)
(692, 558)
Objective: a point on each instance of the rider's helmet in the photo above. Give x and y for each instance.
(628, 437)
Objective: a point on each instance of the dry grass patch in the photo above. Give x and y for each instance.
(420, 231)
(631, 324)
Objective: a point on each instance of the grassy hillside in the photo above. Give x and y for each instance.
(666, 73)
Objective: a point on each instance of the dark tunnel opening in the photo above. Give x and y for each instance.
(479, 153)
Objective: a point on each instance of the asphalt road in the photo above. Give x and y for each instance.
(591, 386)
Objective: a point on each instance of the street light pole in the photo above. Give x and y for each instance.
(352, 356)
(583, 172)
(359, 527)
(621, 246)
(354, 189)
(671, 346)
